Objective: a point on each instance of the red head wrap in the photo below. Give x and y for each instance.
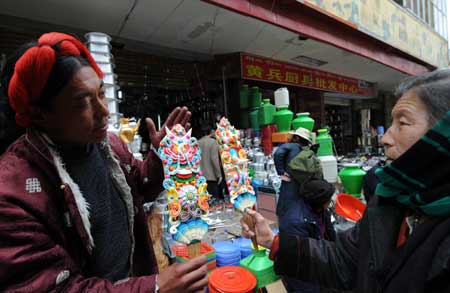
(33, 69)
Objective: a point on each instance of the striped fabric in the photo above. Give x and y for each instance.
(420, 178)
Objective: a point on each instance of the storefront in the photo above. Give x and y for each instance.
(332, 100)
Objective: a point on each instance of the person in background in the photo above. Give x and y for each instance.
(309, 217)
(210, 162)
(282, 156)
(402, 242)
(71, 195)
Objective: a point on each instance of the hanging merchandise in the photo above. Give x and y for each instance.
(303, 120)
(186, 188)
(283, 119)
(352, 179)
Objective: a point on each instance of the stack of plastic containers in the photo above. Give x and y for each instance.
(265, 119)
(325, 154)
(100, 48)
(283, 116)
(254, 102)
(243, 105)
(227, 253)
(182, 256)
(244, 246)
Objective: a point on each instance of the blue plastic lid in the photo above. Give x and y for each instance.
(225, 247)
(219, 264)
(243, 242)
(228, 260)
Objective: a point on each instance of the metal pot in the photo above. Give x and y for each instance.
(259, 167)
(259, 157)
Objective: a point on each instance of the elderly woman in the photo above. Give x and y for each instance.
(402, 243)
(71, 217)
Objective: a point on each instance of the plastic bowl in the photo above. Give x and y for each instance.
(349, 207)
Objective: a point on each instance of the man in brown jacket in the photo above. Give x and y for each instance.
(71, 217)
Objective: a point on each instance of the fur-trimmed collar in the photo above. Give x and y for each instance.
(46, 148)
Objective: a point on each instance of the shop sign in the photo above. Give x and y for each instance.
(265, 69)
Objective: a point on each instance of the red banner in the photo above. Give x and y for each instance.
(265, 69)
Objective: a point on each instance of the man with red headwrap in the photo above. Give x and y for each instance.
(71, 217)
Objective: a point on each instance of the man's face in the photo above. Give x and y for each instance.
(409, 124)
(78, 115)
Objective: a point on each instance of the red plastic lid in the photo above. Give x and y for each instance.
(230, 279)
(349, 207)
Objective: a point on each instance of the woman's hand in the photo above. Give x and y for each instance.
(263, 232)
(177, 116)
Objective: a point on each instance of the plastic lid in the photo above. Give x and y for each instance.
(351, 165)
(266, 101)
(232, 279)
(303, 114)
(243, 242)
(322, 130)
(225, 247)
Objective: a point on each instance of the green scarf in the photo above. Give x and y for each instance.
(420, 178)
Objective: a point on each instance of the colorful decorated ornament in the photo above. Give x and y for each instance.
(235, 166)
(186, 187)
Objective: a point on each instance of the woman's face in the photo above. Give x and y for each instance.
(79, 113)
(409, 124)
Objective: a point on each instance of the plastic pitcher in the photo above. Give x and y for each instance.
(352, 179)
(253, 118)
(303, 120)
(265, 114)
(326, 143)
(243, 97)
(254, 98)
(283, 118)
